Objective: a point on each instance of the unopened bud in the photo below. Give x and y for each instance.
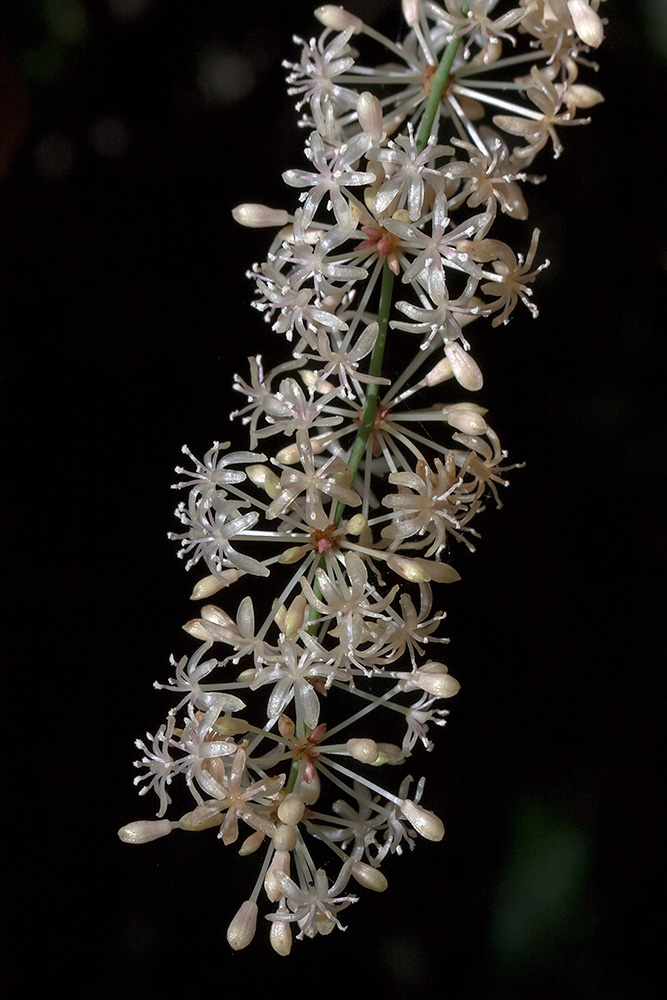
(291, 809)
(369, 877)
(259, 216)
(426, 823)
(419, 570)
(142, 831)
(369, 113)
(338, 18)
(280, 865)
(265, 478)
(288, 455)
(389, 753)
(466, 370)
(228, 725)
(280, 937)
(251, 843)
(196, 629)
(242, 929)
(310, 786)
(356, 525)
(440, 373)
(286, 727)
(293, 554)
(466, 417)
(210, 585)
(410, 10)
(284, 839)
(439, 684)
(587, 22)
(579, 95)
(363, 750)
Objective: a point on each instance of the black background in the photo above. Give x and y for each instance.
(129, 129)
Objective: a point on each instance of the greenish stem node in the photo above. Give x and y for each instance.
(438, 84)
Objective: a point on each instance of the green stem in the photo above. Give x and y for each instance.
(375, 368)
(438, 84)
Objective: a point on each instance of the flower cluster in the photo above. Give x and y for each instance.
(300, 700)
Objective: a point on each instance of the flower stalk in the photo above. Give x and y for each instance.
(334, 521)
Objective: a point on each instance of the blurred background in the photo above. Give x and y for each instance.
(128, 131)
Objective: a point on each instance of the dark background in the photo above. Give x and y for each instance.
(128, 131)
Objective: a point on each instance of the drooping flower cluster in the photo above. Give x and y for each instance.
(302, 697)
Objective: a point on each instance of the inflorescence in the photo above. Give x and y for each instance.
(297, 710)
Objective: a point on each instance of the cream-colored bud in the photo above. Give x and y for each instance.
(210, 585)
(440, 373)
(247, 676)
(196, 629)
(356, 525)
(466, 370)
(280, 862)
(311, 787)
(295, 616)
(228, 725)
(579, 95)
(293, 554)
(265, 478)
(439, 684)
(286, 727)
(426, 823)
(251, 843)
(363, 750)
(369, 113)
(389, 753)
(242, 929)
(466, 417)
(280, 937)
(288, 455)
(284, 839)
(409, 569)
(587, 22)
(338, 18)
(369, 877)
(410, 10)
(200, 818)
(142, 831)
(291, 809)
(259, 216)
(212, 613)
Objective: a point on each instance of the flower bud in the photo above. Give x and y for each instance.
(259, 216)
(439, 684)
(229, 726)
(426, 823)
(363, 750)
(466, 417)
(242, 929)
(310, 786)
(338, 18)
(293, 554)
(389, 753)
(294, 617)
(195, 628)
(291, 809)
(284, 839)
(280, 937)
(579, 95)
(201, 818)
(587, 22)
(280, 865)
(410, 10)
(251, 843)
(369, 877)
(356, 525)
(466, 370)
(265, 478)
(144, 830)
(440, 373)
(369, 113)
(419, 570)
(288, 455)
(286, 727)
